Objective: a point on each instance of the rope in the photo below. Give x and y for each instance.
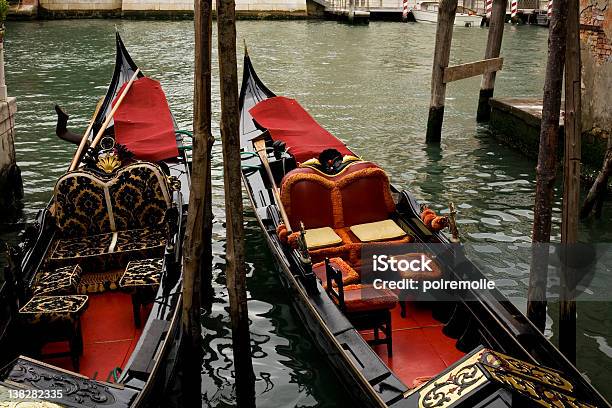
(184, 132)
(115, 373)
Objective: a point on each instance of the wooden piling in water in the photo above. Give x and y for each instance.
(494, 42)
(571, 181)
(546, 168)
(444, 37)
(235, 265)
(202, 127)
(197, 250)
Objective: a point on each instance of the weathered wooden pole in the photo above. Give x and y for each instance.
(598, 190)
(202, 127)
(494, 42)
(444, 37)
(571, 181)
(198, 231)
(235, 267)
(547, 161)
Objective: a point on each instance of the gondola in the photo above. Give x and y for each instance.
(321, 208)
(92, 294)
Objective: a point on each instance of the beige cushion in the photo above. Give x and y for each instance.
(321, 237)
(377, 231)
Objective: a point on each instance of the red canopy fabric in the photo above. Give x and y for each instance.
(287, 121)
(143, 122)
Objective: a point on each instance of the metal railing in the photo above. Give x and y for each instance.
(476, 5)
(358, 5)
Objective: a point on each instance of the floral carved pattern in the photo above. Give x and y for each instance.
(76, 391)
(456, 384)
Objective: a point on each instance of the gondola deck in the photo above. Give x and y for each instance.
(476, 350)
(420, 348)
(109, 337)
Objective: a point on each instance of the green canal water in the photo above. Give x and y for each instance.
(369, 85)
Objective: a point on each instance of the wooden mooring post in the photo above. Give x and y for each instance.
(571, 183)
(235, 265)
(546, 168)
(444, 37)
(197, 250)
(494, 42)
(441, 73)
(202, 127)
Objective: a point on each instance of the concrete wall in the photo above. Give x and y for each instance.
(93, 8)
(187, 5)
(11, 188)
(60, 7)
(596, 54)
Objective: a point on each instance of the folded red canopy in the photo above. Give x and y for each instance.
(143, 122)
(287, 121)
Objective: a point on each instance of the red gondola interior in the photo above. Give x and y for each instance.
(342, 210)
(96, 286)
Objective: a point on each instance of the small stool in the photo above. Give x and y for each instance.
(61, 281)
(57, 318)
(142, 279)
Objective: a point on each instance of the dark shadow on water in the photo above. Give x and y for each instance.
(289, 369)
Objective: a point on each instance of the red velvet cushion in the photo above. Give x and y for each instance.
(364, 298)
(358, 194)
(307, 197)
(349, 275)
(366, 197)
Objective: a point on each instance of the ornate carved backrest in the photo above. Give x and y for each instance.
(136, 196)
(139, 196)
(80, 205)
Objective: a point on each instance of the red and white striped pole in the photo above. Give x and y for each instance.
(489, 8)
(513, 8)
(549, 13)
(405, 11)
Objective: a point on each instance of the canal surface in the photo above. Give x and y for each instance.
(369, 86)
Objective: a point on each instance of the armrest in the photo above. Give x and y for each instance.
(334, 276)
(173, 220)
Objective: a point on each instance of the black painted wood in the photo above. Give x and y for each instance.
(144, 362)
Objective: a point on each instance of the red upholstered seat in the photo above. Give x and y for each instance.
(365, 195)
(359, 194)
(349, 275)
(364, 298)
(307, 197)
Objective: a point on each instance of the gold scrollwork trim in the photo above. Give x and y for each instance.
(544, 375)
(459, 382)
(536, 391)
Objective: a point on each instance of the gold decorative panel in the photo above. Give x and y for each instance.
(453, 386)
